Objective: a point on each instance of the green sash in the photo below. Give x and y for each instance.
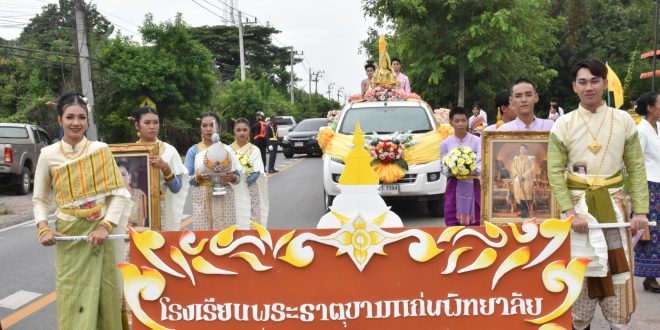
(597, 195)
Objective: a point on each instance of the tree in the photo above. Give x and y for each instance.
(29, 78)
(448, 45)
(611, 30)
(265, 60)
(173, 69)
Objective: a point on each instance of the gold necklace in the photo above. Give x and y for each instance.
(594, 146)
(596, 182)
(77, 154)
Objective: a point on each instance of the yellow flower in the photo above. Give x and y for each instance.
(460, 161)
(473, 166)
(468, 161)
(465, 171)
(454, 171)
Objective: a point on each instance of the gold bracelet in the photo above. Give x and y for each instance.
(43, 231)
(169, 177)
(107, 224)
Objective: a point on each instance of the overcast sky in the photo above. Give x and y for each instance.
(327, 32)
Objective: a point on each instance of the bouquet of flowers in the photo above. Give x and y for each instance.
(324, 137)
(382, 93)
(355, 98)
(441, 116)
(389, 150)
(459, 162)
(244, 160)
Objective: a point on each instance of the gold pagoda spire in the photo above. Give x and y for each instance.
(358, 170)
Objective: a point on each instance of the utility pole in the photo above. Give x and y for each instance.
(339, 91)
(291, 86)
(85, 68)
(317, 74)
(330, 90)
(240, 44)
(310, 84)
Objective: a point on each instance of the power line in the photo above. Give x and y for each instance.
(212, 12)
(37, 51)
(39, 59)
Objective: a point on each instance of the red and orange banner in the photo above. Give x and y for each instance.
(360, 276)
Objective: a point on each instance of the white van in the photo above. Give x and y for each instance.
(421, 182)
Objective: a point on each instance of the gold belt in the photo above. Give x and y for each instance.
(82, 213)
(594, 183)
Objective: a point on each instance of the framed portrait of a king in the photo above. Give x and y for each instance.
(514, 178)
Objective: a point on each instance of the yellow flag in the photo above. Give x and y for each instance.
(614, 85)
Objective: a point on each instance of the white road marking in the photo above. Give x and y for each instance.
(18, 299)
(26, 223)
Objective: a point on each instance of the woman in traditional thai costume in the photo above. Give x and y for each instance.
(173, 175)
(647, 252)
(252, 168)
(91, 200)
(212, 212)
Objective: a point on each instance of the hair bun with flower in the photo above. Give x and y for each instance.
(130, 118)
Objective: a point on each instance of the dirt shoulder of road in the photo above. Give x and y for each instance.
(16, 209)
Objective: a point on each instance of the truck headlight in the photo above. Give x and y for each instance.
(337, 160)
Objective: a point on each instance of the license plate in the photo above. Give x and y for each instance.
(389, 189)
(297, 144)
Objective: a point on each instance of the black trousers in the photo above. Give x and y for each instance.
(272, 154)
(262, 144)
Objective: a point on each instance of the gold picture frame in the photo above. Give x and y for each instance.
(514, 177)
(143, 182)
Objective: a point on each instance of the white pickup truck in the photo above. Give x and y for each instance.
(421, 182)
(20, 145)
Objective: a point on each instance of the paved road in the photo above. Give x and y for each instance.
(296, 202)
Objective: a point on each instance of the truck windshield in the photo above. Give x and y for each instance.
(283, 121)
(386, 120)
(13, 133)
(310, 125)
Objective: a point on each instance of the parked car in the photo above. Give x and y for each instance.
(21, 146)
(285, 124)
(422, 182)
(302, 139)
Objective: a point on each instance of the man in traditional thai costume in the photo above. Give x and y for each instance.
(400, 77)
(598, 140)
(523, 99)
(463, 195)
(369, 69)
(522, 170)
(505, 113)
(91, 201)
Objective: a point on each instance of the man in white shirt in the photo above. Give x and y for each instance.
(554, 103)
(505, 112)
(477, 112)
(523, 99)
(400, 77)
